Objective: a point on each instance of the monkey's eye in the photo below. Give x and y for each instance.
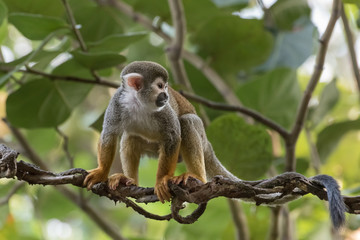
(160, 85)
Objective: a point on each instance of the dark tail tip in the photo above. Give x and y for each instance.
(337, 206)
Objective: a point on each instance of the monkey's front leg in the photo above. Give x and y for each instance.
(106, 153)
(168, 157)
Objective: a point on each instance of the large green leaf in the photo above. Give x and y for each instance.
(153, 8)
(244, 149)
(329, 137)
(96, 21)
(292, 48)
(275, 94)
(98, 60)
(116, 43)
(197, 12)
(44, 103)
(287, 13)
(328, 99)
(72, 68)
(43, 7)
(232, 43)
(34, 26)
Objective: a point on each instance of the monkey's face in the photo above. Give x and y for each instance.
(153, 95)
(156, 95)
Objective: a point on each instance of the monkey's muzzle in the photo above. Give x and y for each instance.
(162, 99)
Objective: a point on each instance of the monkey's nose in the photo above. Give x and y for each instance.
(161, 99)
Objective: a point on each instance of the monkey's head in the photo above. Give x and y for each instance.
(148, 81)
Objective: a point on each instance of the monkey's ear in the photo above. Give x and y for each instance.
(134, 80)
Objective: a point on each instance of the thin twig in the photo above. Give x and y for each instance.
(239, 219)
(350, 43)
(65, 146)
(315, 158)
(62, 78)
(275, 223)
(77, 33)
(319, 64)
(74, 25)
(251, 113)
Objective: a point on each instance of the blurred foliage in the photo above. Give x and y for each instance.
(259, 58)
(245, 149)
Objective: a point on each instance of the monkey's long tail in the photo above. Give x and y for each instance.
(336, 203)
(214, 167)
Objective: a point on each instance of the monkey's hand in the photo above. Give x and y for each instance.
(95, 176)
(119, 178)
(185, 177)
(162, 189)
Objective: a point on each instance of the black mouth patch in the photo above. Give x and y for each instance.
(161, 99)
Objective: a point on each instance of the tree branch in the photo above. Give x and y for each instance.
(301, 113)
(77, 33)
(29, 70)
(248, 112)
(350, 43)
(274, 191)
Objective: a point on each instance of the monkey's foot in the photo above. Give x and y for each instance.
(162, 189)
(185, 177)
(95, 176)
(117, 178)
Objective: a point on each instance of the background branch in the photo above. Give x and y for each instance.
(350, 43)
(319, 64)
(29, 70)
(248, 112)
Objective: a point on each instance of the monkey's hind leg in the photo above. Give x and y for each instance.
(192, 148)
(130, 152)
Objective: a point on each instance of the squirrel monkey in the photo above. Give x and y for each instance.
(152, 118)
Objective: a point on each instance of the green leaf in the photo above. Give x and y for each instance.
(72, 68)
(96, 21)
(328, 99)
(232, 43)
(43, 7)
(329, 138)
(292, 48)
(287, 13)
(153, 8)
(36, 27)
(43, 103)
(3, 31)
(197, 12)
(356, 2)
(144, 50)
(244, 149)
(97, 125)
(98, 60)
(275, 94)
(116, 43)
(3, 12)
